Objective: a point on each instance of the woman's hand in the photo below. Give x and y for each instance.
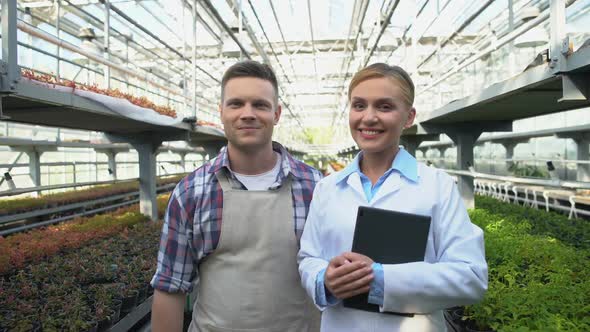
(349, 274)
(354, 257)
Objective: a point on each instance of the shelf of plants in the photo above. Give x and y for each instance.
(81, 276)
(68, 204)
(539, 271)
(142, 101)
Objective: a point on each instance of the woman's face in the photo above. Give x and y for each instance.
(378, 114)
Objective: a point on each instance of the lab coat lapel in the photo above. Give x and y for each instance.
(354, 181)
(392, 184)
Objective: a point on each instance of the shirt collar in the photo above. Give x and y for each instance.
(403, 162)
(288, 163)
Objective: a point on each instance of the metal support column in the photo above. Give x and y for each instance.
(35, 167)
(10, 74)
(127, 39)
(424, 150)
(211, 150)
(411, 142)
(509, 145)
(194, 94)
(183, 161)
(465, 142)
(58, 29)
(204, 157)
(559, 43)
(147, 178)
(509, 153)
(107, 29)
(441, 155)
(112, 156)
(512, 67)
(411, 145)
(184, 53)
(583, 170)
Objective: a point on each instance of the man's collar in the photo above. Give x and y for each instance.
(288, 163)
(403, 162)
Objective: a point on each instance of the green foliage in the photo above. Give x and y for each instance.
(75, 289)
(527, 171)
(574, 232)
(12, 206)
(24, 248)
(316, 135)
(538, 279)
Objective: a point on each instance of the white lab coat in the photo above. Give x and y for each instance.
(454, 271)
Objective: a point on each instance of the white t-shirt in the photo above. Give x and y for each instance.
(261, 181)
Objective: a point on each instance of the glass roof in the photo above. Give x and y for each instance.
(313, 46)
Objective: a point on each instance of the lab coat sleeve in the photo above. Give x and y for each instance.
(323, 297)
(459, 275)
(309, 257)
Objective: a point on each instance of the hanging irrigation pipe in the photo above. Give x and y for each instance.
(416, 39)
(172, 68)
(25, 27)
(115, 55)
(457, 32)
(315, 58)
(517, 32)
(268, 40)
(339, 116)
(296, 117)
(142, 28)
(151, 34)
(219, 19)
(274, 13)
(383, 28)
(276, 57)
(513, 179)
(364, 7)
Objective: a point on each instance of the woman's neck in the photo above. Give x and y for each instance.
(374, 165)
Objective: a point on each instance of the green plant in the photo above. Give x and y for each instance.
(518, 169)
(536, 281)
(56, 289)
(574, 232)
(12, 206)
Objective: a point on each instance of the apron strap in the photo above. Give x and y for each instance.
(225, 182)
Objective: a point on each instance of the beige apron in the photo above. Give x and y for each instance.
(251, 281)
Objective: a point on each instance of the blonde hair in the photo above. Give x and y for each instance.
(382, 70)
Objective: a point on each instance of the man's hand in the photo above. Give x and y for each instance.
(346, 277)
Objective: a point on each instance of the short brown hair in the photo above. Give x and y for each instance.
(250, 68)
(381, 70)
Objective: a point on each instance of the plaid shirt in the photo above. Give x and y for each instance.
(192, 223)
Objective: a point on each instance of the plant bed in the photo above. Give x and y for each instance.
(539, 278)
(36, 245)
(22, 205)
(574, 232)
(81, 289)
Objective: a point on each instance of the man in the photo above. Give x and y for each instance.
(234, 224)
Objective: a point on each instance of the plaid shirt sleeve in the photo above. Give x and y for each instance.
(176, 268)
(302, 192)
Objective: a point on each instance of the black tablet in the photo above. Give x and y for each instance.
(388, 237)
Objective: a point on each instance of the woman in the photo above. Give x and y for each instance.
(383, 175)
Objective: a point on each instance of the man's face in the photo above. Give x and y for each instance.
(249, 112)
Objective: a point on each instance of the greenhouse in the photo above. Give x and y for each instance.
(295, 165)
